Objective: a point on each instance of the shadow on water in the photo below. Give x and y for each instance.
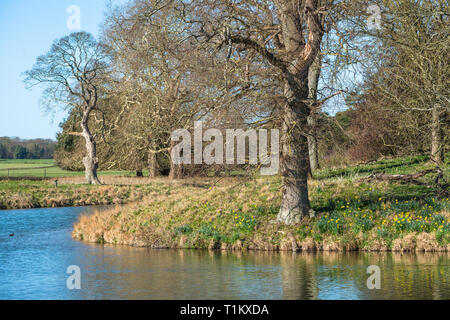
(33, 265)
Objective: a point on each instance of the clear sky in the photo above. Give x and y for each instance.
(27, 30)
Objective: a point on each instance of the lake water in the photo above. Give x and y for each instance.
(33, 265)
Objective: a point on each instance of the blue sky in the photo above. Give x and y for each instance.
(27, 30)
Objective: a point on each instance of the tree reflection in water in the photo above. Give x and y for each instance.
(140, 273)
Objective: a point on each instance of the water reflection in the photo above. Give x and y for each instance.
(137, 273)
(33, 265)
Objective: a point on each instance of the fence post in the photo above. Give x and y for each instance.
(8, 172)
(45, 172)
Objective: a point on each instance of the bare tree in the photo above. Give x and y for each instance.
(406, 61)
(72, 73)
(286, 34)
(313, 83)
(167, 80)
(159, 84)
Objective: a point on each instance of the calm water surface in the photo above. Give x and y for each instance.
(34, 261)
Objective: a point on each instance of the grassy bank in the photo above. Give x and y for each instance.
(25, 193)
(239, 214)
(29, 183)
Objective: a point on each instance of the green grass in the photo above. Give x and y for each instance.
(32, 168)
(25, 193)
(404, 165)
(350, 213)
(201, 212)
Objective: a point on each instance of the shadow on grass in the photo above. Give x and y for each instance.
(376, 167)
(400, 192)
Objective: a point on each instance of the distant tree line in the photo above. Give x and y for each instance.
(16, 148)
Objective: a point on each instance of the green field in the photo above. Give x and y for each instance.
(45, 168)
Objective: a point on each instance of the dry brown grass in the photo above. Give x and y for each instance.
(108, 180)
(118, 180)
(198, 203)
(72, 192)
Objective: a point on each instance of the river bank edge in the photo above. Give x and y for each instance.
(30, 194)
(410, 243)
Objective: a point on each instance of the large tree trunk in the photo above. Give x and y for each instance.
(90, 161)
(153, 169)
(313, 81)
(437, 154)
(294, 153)
(176, 170)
